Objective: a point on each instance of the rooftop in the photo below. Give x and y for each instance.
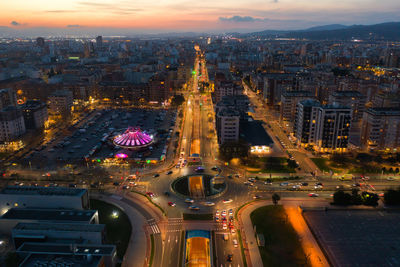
(297, 93)
(310, 103)
(347, 93)
(66, 249)
(64, 227)
(255, 134)
(49, 215)
(228, 112)
(384, 111)
(44, 191)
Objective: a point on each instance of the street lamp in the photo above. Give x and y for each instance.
(115, 214)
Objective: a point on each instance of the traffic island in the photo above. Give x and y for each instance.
(198, 186)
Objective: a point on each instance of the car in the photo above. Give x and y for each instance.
(318, 187)
(268, 182)
(150, 194)
(229, 257)
(257, 197)
(156, 175)
(233, 230)
(304, 184)
(215, 168)
(169, 172)
(230, 212)
(237, 175)
(390, 179)
(209, 204)
(224, 226)
(193, 207)
(313, 195)
(223, 213)
(217, 213)
(217, 219)
(226, 236)
(72, 185)
(178, 166)
(319, 183)
(235, 243)
(189, 200)
(284, 184)
(125, 187)
(230, 176)
(227, 200)
(199, 169)
(116, 183)
(172, 204)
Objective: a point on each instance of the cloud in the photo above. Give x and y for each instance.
(14, 23)
(74, 26)
(239, 19)
(275, 1)
(60, 11)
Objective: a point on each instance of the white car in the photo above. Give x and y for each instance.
(209, 204)
(223, 213)
(189, 200)
(224, 226)
(227, 201)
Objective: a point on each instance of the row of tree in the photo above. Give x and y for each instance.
(365, 198)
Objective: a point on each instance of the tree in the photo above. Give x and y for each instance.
(341, 198)
(275, 198)
(355, 197)
(370, 199)
(177, 100)
(392, 197)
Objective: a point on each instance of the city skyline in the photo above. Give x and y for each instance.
(124, 17)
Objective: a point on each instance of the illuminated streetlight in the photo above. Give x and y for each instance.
(115, 214)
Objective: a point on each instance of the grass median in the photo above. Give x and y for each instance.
(281, 240)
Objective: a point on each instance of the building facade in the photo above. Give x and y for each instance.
(227, 123)
(380, 129)
(35, 114)
(12, 124)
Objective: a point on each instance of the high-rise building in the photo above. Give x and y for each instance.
(227, 124)
(326, 128)
(289, 102)
(305, 122)
(380, 128)
(40, 41)
(12, 124)
(99, 41)
(333, 128)
(35, 114)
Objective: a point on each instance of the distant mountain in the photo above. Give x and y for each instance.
(389, 31)
(326, 27)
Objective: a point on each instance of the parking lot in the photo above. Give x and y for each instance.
(358, 237)
(93, 139)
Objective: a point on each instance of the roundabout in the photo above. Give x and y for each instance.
(199, 186)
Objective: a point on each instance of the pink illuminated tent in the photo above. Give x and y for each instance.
(133, 138)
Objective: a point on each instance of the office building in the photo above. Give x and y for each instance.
(63, 255)
(99, 41)
(35, 114)
(40, 41)
(40, 215)
(227, 123)
(380, 129)
(43, 197)
(12, 124)
(58, 232)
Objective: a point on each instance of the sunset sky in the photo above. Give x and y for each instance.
(204, 15)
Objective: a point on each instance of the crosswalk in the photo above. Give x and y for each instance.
(153, 226)
(174, 225)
